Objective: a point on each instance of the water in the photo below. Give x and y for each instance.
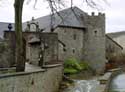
(118, 83)
(84, 86)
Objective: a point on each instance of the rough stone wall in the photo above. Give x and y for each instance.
(32, 54)
(51, 53)
(112, 47)
(94, 42)
(120, 40)
(73, 42)
(5, 55)
(37, 81)
(119, 37)
(10, 39)
(90, 44)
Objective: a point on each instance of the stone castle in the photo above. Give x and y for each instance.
(72, 33)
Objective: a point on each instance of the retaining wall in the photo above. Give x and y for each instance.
(46, 80)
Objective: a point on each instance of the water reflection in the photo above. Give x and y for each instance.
(118, 83)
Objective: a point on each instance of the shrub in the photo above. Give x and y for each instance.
(72, 66)
(70, 71)
(84, 65)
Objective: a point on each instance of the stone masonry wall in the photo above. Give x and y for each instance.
(72, 38)
(94, 47)
(51, 39)
(36, 81)
(112, 47)
(50, 54)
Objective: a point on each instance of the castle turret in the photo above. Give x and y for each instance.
(94, 47)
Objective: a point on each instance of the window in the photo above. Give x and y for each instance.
(64, 49)
(95, 32)
(73, 50)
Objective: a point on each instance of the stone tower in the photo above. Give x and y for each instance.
(94, 42)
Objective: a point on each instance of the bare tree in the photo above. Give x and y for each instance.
(20, 61)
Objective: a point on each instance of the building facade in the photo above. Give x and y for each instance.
(80, 36)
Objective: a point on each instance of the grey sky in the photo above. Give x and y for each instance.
(115, 15)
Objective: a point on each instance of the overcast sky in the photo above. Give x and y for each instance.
(114, 10)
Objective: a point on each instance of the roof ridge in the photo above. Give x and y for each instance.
(69, 8)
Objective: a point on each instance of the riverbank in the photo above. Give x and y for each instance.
(93, 83)
(105, 80)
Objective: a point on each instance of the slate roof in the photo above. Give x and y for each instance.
(113, 41)
(116, 34)
(4, 27)
(68, 17)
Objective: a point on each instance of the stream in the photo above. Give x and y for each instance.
(83, 86)
(118, 84)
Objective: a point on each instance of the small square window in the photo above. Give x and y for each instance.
(95, 32)
(64, 49)
(73, 50)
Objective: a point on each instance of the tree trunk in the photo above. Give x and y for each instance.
(20, 60)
